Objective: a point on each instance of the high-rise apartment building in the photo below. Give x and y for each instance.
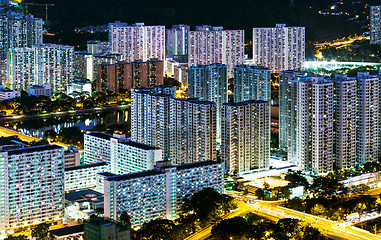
(345, 113)
(150, 116)
(124, 75)
(41, 64)
(245, 135)
(252, 83)
(177, 42)
(192, 131)
(280, 48)
(18, 30)
(368, 118)
(123, 155)
(208, 45)
(315, 125)
(137, 41)
(288, 111)
(31, 185)
(96, 47)
(209, 83)
(375, 24)
(158, 193)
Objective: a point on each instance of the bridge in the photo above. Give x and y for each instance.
(333, 65)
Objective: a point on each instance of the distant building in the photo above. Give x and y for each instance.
(177, 71)
(209, 83)
(83, 176)
(36, 90)
(79, 87)
(40, 64)
(177, 42)
(128, 75)
(18, 30)
(137, 41)
(72, 157)
(280, 48)
(245, 135)
(192, 131)
(208, 45)
(7, 94)
(102, 229)
(86, 65)
(158, 193)
(375, 24)
(96, 47)
(252, 83)
(123, 155)
(31, 185)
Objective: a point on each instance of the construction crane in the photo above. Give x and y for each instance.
(39, 4)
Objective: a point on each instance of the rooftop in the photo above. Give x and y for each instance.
(133, 175)
(196, 164)
(100, 135)
(67, 231)
(139, 145)
(33, 149)
(68, 169)
(84, 195)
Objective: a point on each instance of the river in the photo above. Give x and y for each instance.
(36, 126)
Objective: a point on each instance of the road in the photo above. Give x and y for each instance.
(54, 114)
(6, 132)
(274, 212)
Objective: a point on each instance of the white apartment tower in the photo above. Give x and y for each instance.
(41, 64)
(31, 185)
(150, 116)
(19, 30)
(289, 111)
(280, 48)
(252, 83)
(177, 42)
(375, 24)
(209, 45)
(245, 136)
(367, 118)
(345, 113)
(209, 83)
(192, 131)
(315, 125)
(137, 41)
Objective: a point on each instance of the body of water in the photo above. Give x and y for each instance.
(86, 121)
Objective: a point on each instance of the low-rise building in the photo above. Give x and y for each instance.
(72, 157)
(79, 87)
(7, 94)
(103, 229)
(37, 90)
(158, 193)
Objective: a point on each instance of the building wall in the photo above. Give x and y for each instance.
(31, 186)
(280, 48)
(83, 177)
(375, 24)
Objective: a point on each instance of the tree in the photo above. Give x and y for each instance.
(232, 228)
(296, 178)
(156, 230)
(21, 237)
(207, 204)
(260, 193)
(41, 231)
(125, 218)
(289, 226)
(361, 189)
(99, 211)
(318, 209)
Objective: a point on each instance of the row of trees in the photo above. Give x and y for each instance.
(61, 102)
(196, 211)
(39, 232)
(241, 229)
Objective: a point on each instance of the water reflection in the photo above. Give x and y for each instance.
(86, 121)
